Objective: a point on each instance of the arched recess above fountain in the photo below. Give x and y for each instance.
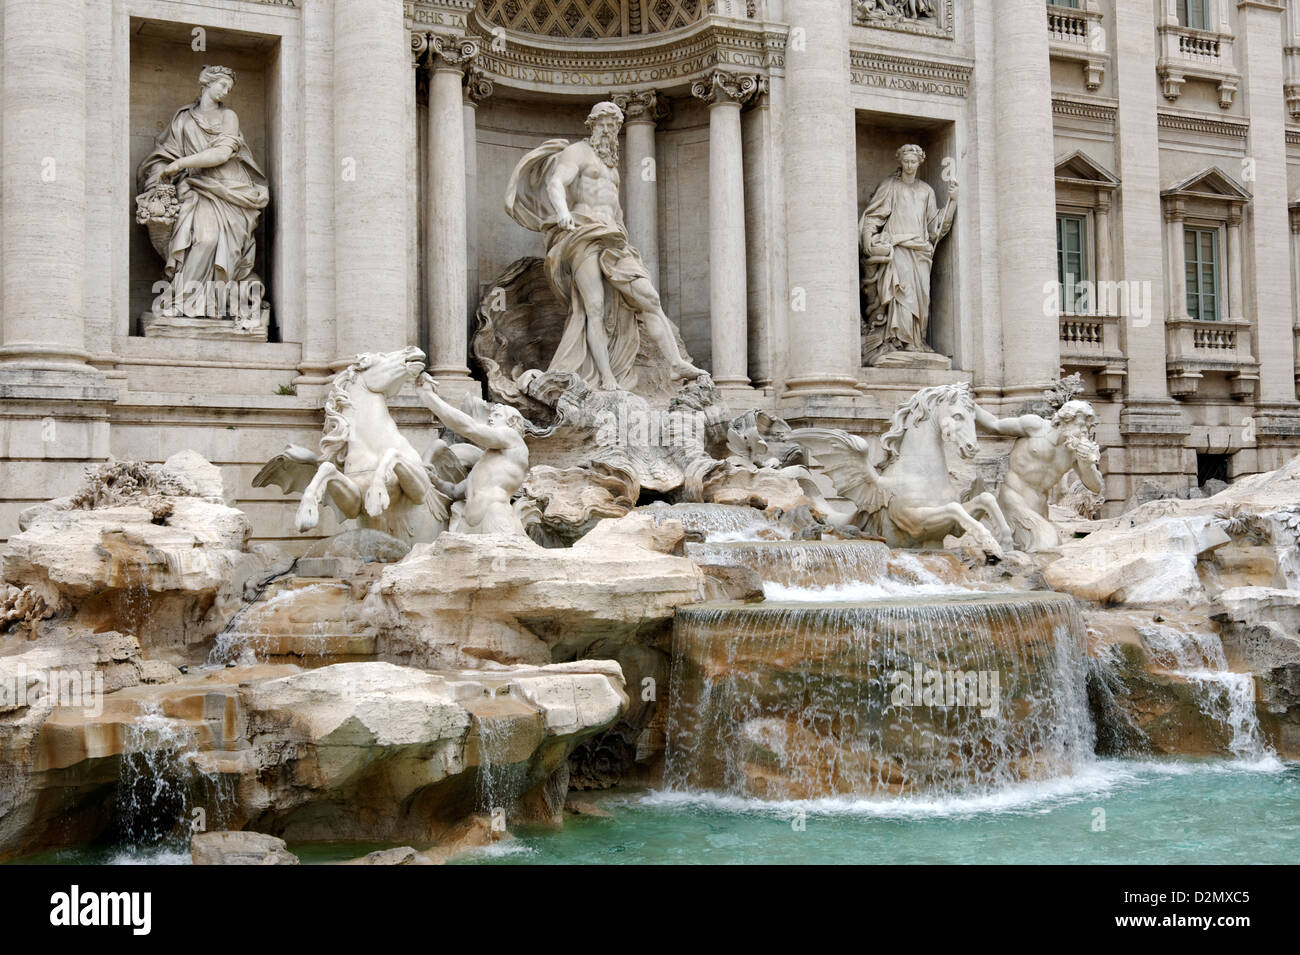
(592, 19)
(577, 48)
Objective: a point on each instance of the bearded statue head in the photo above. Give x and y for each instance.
(604, 122)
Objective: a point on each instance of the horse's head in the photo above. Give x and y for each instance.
(385, 373)
(950, 411)
(956, 415)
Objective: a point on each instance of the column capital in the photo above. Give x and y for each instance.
(721, 86)
(419, 47)
(1175, 211)
(451, 52)
(478, 86)
(641, 106)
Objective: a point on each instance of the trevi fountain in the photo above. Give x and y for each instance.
(625, 431)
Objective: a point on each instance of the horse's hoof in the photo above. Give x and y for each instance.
(376, 502)
(307, 517)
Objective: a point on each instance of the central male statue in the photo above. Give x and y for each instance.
(569, 192)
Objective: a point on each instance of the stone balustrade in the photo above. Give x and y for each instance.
(1200, 54)
(1091, 343)
(1197, 347)
(1071, 32)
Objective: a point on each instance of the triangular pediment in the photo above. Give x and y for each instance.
(1080, 168)
(1212, 183)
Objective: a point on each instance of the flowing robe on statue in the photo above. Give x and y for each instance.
(905, 216)
(620, 265)
(212, 240)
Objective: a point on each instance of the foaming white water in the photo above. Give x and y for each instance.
(1091, 780)
(158, 857)
(499, 850)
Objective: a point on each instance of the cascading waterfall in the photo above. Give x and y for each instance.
(804, 700)
(500, 780)
(1225, 697)
(153, 784)
(159, 785)
(799, 563)
(722, 522)
(136, 605)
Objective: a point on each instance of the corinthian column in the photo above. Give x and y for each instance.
(821, 224)
(372, 68)
(725, 92)
(446, 290)
(640, 115)
(44, 182)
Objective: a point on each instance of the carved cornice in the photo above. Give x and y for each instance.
(913, 74)
(1083, 109)
(1203, 125)
(721, 86)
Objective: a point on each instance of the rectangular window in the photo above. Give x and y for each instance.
(1072, 263)
(1201, 249)
(1194, 14)
(1072, 4)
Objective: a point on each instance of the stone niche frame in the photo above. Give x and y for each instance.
(238, 33)
(878, 136)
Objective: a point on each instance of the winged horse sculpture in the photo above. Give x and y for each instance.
(366, 468)
(910, 499)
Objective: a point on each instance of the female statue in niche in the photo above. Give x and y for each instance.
(899, 231)
(201, 196)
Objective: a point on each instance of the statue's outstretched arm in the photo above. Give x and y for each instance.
(464, 425)
(1020, 427)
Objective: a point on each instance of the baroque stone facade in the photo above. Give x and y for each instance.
(1127, 169)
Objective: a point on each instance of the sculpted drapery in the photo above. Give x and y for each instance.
(899, 231)
(620, 266)
(211, 242)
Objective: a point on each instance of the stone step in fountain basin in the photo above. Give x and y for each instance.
(795, 700)
(309, 621)
(829, 563)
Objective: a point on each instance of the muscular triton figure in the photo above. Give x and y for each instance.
(1044, 450)
(569, 192)
(499, 472)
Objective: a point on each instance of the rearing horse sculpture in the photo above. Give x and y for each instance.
(366, 468)
(911, 500)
